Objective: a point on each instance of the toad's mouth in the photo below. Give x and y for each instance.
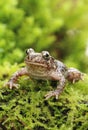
(35, 63)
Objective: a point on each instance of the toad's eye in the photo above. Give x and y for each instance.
(28, 51)
(46, 55)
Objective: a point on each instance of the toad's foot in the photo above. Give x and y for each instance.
(11, 85)
(12, 82)
(52, 93)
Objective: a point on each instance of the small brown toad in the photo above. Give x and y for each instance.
(44, 66)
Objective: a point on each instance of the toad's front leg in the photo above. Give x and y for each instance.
(12, 82)
(60, 87)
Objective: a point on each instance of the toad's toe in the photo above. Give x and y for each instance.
(51, 94)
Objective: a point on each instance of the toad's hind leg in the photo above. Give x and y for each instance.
(58, 91)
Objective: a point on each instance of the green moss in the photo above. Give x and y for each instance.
(26, 108)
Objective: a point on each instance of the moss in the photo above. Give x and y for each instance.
(25, 108)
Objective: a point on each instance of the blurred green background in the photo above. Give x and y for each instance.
(59, 26)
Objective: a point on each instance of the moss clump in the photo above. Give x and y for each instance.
(25, 108)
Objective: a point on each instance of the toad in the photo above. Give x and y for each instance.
(42, 66)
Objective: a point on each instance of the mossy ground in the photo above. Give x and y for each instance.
(25, 108)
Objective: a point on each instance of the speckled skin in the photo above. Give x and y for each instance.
(44, 66)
